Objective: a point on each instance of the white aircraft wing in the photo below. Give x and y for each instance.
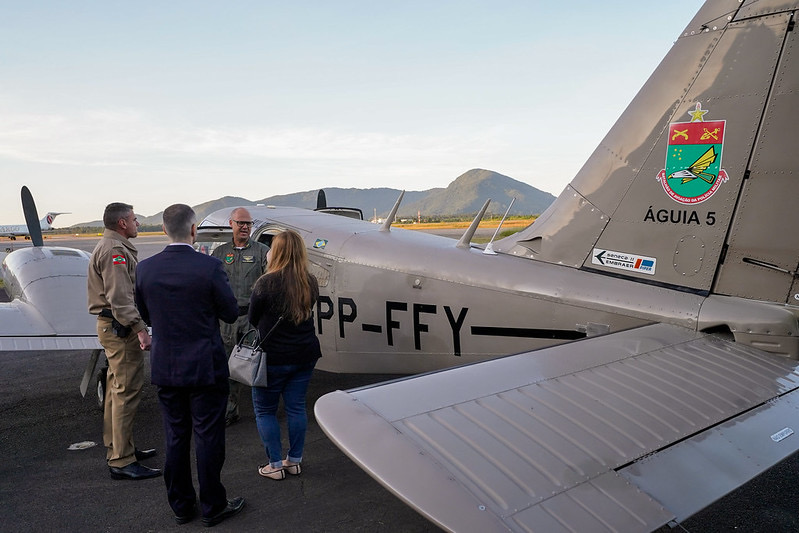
(24, 328)
(625, 432)
(48, 311)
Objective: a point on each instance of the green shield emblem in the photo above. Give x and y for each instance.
(693, 172)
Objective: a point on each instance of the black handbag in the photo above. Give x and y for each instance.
(247, 361)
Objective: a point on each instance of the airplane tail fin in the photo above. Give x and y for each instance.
(47, 222)
(694, 185)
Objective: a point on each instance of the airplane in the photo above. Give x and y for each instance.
(618, 365)
(12, 231)
(622, 362)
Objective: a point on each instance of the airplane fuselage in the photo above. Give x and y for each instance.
(402, 301)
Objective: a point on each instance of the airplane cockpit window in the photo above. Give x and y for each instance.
(208, 238)
(266, 238)
(265, 233)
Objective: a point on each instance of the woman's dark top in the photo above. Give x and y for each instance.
(289, 344)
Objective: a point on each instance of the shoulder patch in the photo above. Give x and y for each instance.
(119, 259)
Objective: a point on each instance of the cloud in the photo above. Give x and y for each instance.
(130, 138)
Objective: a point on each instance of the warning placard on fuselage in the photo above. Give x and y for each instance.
(624, 261)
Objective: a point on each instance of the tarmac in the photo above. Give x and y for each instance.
(46, 486)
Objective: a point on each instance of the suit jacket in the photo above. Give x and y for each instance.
(183, 294)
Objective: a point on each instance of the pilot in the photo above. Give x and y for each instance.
(244, 261)
(124, 336)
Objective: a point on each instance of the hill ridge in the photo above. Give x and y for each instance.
(464, 196)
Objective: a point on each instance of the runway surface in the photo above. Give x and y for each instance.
(45, 486)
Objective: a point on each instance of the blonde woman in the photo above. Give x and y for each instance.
(285, 296)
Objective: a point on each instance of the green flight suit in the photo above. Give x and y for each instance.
(243, 266)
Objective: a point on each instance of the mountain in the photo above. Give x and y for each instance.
(204, 209)
(379, 200)
(467, 194)
(464, 196)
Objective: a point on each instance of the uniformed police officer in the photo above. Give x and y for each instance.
(124, 336)
(244, 261)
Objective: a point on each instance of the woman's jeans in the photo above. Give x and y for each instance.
(290, 381)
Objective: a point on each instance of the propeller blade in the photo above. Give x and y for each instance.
(321, 200)
(31, 217)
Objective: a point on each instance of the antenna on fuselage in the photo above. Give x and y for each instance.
(31, 217)
(466, 240)
(489, 247)
(390, 218)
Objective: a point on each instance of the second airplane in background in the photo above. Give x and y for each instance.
(13, 231)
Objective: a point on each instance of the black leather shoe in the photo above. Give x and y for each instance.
(233, 507)
(141, 455)
(185, 519)
(133, 471)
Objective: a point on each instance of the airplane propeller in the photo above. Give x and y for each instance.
(31, 217)
(321, 199)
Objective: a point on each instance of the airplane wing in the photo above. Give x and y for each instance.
(24, 328)
(625, 432)
(47, 310)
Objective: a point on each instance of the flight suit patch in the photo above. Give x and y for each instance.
(229, 258)
(247, 259)
(119, 260)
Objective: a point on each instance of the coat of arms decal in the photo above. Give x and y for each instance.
(693, 170)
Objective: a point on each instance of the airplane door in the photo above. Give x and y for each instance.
(322, 266)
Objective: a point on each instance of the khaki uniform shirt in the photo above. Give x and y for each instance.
(243, 266)
(112, 274)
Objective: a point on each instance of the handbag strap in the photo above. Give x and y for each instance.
(279, 319)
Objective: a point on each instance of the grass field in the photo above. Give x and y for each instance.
(509, 227)
(514, 223)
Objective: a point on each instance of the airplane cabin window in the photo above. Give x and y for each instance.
(266, 238)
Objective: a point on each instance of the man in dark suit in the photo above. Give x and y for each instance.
(183, 294)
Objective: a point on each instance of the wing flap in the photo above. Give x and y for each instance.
(40, 344)
(727, 455)
(540, 432)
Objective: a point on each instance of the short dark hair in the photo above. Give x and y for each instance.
(114, 213)
(178, 220)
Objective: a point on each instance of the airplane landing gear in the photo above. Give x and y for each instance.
(101, 375)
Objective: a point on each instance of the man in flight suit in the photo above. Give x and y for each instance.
(124, 336)
(244, 261)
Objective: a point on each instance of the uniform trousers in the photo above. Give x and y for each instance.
(201, 411)
(231, 335)
(124, 382)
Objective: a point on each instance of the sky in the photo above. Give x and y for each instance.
(154, 103)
